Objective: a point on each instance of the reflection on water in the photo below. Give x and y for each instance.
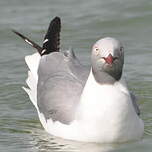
(44, 141)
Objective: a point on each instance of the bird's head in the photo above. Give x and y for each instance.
(107, 60)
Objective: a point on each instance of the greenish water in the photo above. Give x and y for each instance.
(83, 22)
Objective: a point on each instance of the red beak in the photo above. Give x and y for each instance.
(109, 59)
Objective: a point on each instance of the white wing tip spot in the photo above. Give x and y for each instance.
(43, 51)
(28, 42)
(46, 40)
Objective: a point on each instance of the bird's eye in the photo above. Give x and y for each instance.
(96, 50)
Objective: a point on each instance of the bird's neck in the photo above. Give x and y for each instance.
(103, 77)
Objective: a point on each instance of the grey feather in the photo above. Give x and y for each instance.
(59, 72)
(134, 102)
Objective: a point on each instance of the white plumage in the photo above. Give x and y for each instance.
(105, 113)
(32, 62)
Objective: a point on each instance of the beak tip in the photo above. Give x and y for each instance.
(109, 59)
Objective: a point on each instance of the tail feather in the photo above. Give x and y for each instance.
(32, 62)
(31, 95)
(31, 81)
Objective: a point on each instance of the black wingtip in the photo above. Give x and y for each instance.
(19, 34)
(30, 42)
(51, 41)
(55, 24)
(57, 19)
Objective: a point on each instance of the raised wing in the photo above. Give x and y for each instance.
(51, 41)
(60, 84)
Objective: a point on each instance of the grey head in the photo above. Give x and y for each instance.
(107, 60)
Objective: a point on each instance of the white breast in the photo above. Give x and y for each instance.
(107, 114)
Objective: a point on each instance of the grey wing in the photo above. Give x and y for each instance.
(134, 102)
(60, 84)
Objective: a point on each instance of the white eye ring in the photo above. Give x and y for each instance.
(96, 50)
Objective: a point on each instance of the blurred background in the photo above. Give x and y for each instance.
(83, 23)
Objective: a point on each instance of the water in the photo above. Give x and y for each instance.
(83, 22)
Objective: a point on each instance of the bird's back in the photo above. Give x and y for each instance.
(61, 79)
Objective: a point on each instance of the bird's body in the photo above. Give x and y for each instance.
(107, 112)
(103, 113)
(79, 104)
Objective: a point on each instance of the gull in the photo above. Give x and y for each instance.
(76, 103)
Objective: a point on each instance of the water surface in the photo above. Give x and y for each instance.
(83, 22)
